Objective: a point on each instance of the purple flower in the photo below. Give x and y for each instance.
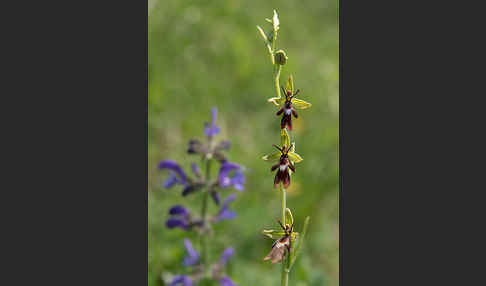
(192, 255)
(230, 174)
(174, 169)
(179, 217)
(225, 212)
(183, 280)
(227, 254)
(212, 129)
(226, 281)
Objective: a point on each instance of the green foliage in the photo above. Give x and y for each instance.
(209, 53)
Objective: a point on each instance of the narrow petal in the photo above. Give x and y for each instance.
(295, 157)
(226, 168)
(192, 255)
(172, 165)
(300, 104)
(171, 181)
(176, 222)
(227, 254)
(178, 210)
(272, 157)
(226, 281)
(228, 200)
(183, 280)
(214, 115)
(226, 214)
(238, 180)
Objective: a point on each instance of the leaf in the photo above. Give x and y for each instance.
(272, 157)
(301, 242)
(277, 101)
(295, 157)
(284, 138)
(300, 104)
(290, 84)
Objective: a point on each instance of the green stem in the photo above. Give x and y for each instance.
(286, 263)
(278, 68)
(204, 247)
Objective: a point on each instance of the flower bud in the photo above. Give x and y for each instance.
(280, 57)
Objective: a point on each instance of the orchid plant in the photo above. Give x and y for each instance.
(230, 176)
(283, 249)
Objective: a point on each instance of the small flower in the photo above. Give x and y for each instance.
(237, 180)
(226, 281)
(278, 252)
(192, 255)
(286, 158)
(225, 212)
(212, 129)
(227, 254)
(180, 217)
(288, 104)
(183, 280)
(174, 169)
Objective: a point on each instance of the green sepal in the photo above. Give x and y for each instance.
(277, 234)
(290, 84)
(272, 157)
(294, 157)
(300, 104)
(275, 21)
(289, 219)
(277, 101)
(284, 138)
(292, 147)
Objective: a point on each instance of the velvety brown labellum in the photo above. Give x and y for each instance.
(278, 250)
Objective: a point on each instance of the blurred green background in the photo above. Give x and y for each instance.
(209, 53)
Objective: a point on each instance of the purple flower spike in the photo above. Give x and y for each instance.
(192, 255)
(212, 129)
(225, 212)
(173, 166)
(237, 180)
(226, 281)
(227, 254)
(183, 280)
